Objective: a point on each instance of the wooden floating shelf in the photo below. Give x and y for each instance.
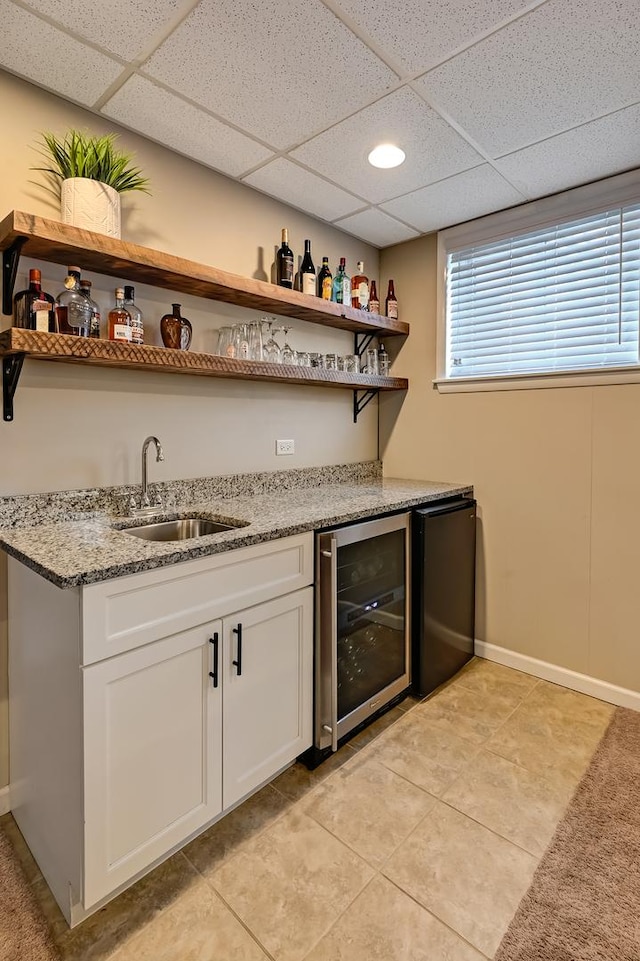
(55, 242)
(67, 348)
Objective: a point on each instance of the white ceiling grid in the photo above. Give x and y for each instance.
(494, 101)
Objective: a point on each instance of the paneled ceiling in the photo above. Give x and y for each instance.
(495, 102)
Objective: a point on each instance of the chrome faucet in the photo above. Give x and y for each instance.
(145, 503)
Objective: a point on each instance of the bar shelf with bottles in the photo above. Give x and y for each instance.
(23, 234)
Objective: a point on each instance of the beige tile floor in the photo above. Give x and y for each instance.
(414, 843)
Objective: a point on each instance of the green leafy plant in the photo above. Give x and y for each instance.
(95, 158)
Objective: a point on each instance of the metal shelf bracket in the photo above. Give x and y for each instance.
(10, 261)
(361, 343)
(360, 400)
(11, 367)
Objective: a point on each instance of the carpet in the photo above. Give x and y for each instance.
(23, 931)
(584, 900)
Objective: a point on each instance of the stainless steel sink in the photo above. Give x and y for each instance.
(180, 530)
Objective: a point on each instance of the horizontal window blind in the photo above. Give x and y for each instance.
(559, 298)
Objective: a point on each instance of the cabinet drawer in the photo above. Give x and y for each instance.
(126, 612)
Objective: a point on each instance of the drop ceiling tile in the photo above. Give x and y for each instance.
(565, 63)
(119, 26)
(434, 150)
(279, 71)
(377, 228)
(418, 34)
(598, 149)
(463, 197)
(287, 181)
(64, 64)
(171, 121)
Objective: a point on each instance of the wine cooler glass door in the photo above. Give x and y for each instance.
(365, 648)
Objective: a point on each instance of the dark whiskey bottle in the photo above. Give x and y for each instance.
(33, 309)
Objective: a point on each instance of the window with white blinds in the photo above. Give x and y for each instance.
(559, 298)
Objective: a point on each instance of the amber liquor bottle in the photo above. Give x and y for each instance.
(374, 302)
(360, 289)
(391, 304)
(33, 309)
(324, 280)
(119, 320)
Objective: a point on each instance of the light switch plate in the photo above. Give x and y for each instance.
(285, 447)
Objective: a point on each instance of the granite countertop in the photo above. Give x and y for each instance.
(89, 547)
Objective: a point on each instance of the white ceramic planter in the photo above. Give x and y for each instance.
(91, 205)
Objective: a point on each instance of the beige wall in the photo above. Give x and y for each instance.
(77, 427)
(556, 474)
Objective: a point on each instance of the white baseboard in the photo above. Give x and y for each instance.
(5, 803)
(583, 683)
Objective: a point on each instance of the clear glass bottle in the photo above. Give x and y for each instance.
(72, 310)
(341, 287)
(119, 319)
(360, 288)
(324, 280)
(137, 321)
(383, 362)
(33, 309)
(284, 262)
(94, 324)
(307, 272)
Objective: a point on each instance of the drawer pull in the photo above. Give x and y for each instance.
(238, 663)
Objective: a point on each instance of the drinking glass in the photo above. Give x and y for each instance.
(272, 352)
(241, 341)
(255, 340)
(371, 361)
(225, 342)
(350, 364)
(304, 358)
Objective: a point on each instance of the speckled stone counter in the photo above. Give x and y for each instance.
(71, 547)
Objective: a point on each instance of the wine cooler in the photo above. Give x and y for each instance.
(362, 629)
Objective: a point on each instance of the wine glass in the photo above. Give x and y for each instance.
(271, 350)
(289, 355)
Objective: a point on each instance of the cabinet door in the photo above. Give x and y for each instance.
(152, 754)
(267, 696)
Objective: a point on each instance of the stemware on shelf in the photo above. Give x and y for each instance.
(272, 351)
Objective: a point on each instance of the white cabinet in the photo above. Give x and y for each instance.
(172, 703)
(152, 755)
(266, 697)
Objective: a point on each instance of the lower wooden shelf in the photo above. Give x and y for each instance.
(17, 344)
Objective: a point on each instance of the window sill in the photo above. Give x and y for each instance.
(586, 378)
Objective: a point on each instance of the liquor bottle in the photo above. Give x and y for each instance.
(33, 308)
(284, 262)
(72, 310)
(391, 305)
(341, 288)
(94, 323)
(307, 271)
(360, 289)
(383, 362)
(374, 303)
(119, 319)
(324, 280)
(137, 322)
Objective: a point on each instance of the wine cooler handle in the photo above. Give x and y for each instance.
(214, 673)
(333, 551)
(238, 663)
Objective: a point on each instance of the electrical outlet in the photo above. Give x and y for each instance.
(285, 447)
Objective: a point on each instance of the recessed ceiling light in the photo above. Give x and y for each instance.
(386, 155)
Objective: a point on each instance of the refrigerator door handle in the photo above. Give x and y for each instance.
(330, 587)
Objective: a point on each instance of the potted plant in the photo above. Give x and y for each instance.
(89, 174)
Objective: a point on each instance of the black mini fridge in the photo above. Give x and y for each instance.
(443, 606)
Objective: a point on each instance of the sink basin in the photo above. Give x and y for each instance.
(180, 530)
